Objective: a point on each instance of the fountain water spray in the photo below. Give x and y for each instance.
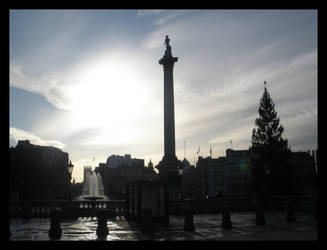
(93, 184)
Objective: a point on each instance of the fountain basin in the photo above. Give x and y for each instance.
(92, 198)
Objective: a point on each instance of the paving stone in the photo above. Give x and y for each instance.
(207, 227)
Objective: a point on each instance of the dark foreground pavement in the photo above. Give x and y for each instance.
(207, 228)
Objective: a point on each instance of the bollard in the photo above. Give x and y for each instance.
(102, 230)
(290, 212)
(260, 214)
(188, 219)
(55, 228)
(147, 220)
(226, 221)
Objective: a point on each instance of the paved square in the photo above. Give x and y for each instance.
(207, 227)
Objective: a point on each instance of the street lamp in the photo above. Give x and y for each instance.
(267, 169)
(70, 171)
(180, 171)
(266, 174)
(180, 176)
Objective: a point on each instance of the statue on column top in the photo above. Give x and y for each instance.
(166, 41)
(168, 48)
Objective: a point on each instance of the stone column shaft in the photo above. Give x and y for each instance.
(169, 113)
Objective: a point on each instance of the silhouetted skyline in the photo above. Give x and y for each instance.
(89, 82)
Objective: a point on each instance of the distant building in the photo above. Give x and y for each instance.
(150, 164)
(149, 173)
(237, 172)
(189, 180)
(210, 176)
(120, 169)
(114, 161)
(304, 173)
(231, 175)
(38, 172)
(215, 177)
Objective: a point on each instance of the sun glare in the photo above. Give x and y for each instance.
(109, 96)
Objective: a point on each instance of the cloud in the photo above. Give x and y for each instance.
(145, 13)
(47, 85)
(18, 134)
(268, 48)
(169, 17)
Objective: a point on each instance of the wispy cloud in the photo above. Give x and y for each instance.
(18, 134)
(143, 13)
(267, 48)
(46, 85)
(169, 17)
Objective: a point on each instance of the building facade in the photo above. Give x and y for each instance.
(210, 177)
(304, 172)
(231, 175)
(238, 173)
(218, 177)
(38, 172)
(188, 180)
(119, 170)
(114, 161)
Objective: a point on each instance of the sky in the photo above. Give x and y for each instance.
(89, 81)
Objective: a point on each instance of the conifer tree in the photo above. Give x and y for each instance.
(269, 151)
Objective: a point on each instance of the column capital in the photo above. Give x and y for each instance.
(168, 60)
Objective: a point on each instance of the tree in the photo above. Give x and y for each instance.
(269, 151)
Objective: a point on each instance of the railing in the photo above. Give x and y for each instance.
(73, 209)
(301, 203)
(214, 205)
(88, 208)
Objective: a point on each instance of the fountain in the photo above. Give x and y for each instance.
(93, 187)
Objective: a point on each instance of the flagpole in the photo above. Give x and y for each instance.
(184, 149)
(198, 152)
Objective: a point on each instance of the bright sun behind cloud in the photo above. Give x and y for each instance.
(108, 96)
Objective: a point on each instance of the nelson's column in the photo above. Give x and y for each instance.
(168, 166)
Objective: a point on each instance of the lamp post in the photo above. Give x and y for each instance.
(180, 176)
(70, 171)
(180, 171)
(266, 173)
(267, 170)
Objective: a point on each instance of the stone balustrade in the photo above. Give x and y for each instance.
(42, 208)
(215, 205)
